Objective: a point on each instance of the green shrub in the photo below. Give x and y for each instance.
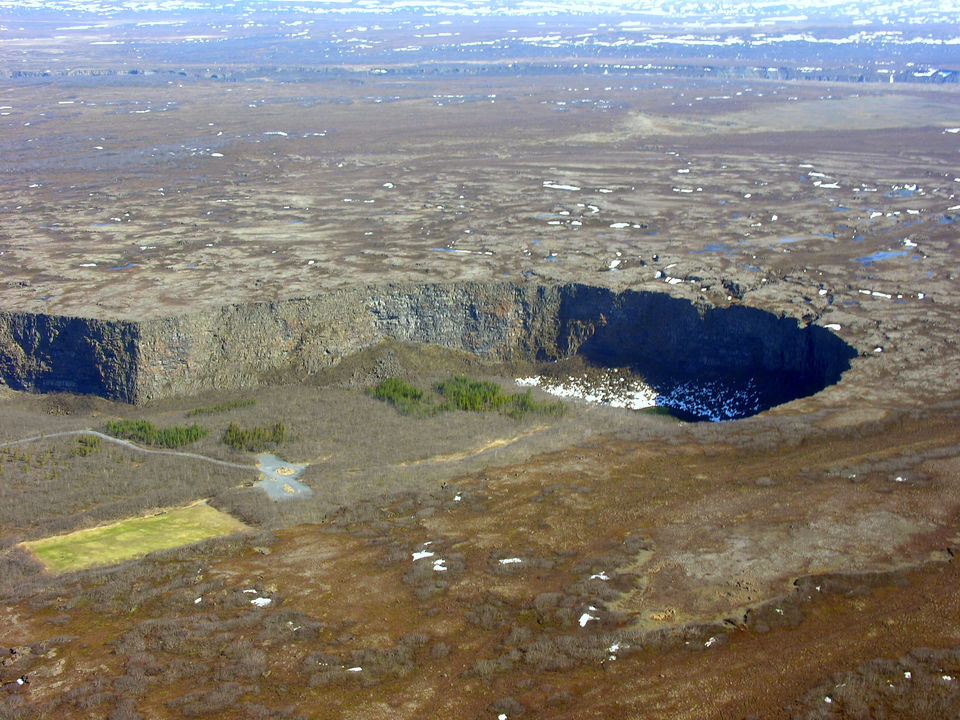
(86, 445)
(402, 395)
(522, 403)
(462, 393)
(657, 410)
(254, 439)
(222, 407)
(146, 433)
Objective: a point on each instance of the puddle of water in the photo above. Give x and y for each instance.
(278, 478)
(880, 255)
(902, 192)
(719, 248)
(694, 400)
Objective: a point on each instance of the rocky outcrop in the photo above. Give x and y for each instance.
(247, 345)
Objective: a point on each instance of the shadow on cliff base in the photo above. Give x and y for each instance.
(51, 353)
(705, 363)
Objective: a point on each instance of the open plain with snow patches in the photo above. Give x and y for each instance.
(542, 361)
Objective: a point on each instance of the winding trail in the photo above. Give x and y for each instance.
(132, 446)
(493, 444)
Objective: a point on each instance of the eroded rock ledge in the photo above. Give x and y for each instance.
(666, 339)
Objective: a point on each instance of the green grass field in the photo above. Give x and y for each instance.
(132, 538)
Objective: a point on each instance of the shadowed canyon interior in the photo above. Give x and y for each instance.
(705, 362)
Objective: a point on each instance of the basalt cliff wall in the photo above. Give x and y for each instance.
(52, 353)
(246, 345)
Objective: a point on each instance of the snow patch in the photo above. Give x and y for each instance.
(558, 186)
(610, 389)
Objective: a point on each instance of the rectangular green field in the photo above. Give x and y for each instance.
(117, 542)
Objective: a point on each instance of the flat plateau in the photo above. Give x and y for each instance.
(596, 563)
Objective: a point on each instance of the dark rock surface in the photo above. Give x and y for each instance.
(51, 353)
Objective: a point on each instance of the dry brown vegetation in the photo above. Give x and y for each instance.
(49, 488)
(617, 529)
(736, 570)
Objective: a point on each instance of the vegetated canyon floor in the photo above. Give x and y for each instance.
(600, 564)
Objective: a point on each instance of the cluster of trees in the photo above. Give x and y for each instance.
(254, 439)
(461, 393)
(86, 445)
(146, 433)
(403, 396)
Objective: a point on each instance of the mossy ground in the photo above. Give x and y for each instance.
(132, 538)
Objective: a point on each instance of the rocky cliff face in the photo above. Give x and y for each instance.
(247, 345)
(51, 353)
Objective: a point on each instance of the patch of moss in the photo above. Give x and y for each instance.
(131, 538)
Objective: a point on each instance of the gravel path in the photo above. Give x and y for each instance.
(132, 446)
